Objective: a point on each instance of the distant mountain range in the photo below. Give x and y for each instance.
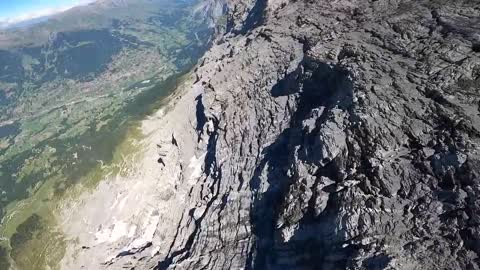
(23, 24)
(81, 41)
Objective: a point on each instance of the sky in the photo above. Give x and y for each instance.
(15, 11)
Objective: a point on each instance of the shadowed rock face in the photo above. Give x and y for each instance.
(348, 139)
(339, 135)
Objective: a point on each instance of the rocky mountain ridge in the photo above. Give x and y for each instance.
(324, 135)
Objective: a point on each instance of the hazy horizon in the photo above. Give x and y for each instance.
(15, 12)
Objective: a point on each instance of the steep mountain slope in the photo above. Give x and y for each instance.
(72, 88)
(326, 135)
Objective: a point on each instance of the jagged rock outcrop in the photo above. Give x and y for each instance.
(339, 135)
(332, 135)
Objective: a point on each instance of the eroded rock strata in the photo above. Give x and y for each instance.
(325, 135)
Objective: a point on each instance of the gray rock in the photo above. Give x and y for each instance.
(339, 135)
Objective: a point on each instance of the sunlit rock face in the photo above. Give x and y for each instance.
(335, 135)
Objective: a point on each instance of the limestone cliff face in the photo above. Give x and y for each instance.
(331, 135)
(338, 135)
